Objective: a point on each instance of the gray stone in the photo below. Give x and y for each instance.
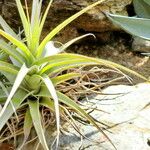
(125, 110)
(127, 115)
(93, 20)
(141, 45)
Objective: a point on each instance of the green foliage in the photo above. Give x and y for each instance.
(29, 70)
(142, 8)
(138, 25)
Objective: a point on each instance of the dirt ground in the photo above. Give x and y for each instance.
(119, 52)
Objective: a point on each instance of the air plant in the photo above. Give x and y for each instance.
(31, 70)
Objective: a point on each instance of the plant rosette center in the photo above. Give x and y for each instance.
(32, 83)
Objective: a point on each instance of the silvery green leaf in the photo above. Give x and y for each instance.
(147, 1)
(36, 118)
(18, 98)
(20, 76)
(52, 92)
(7, 28)
(136, 26)
(66, 45)
(142, 8)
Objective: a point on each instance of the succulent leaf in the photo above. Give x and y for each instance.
(133, 25)
(142, 8)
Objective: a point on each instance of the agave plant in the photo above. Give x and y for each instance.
(137, 25)
(30, 68)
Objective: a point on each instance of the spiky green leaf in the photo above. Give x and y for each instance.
(7, 28)
(8, 49)
(27, 124)
(65, 46)
(20, 45)
(20, 76)
(65, 77)
(65, 59)
(35, 23)
(44, 16)
(47, 102)
(64, 65)
(7, 93)
(7, 67)
(61, 26)
(3, 96)
(25, 21)
(53, 94)
(27, 127)
(18, 98)
(36, 118)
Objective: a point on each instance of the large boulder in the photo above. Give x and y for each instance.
(93, 21)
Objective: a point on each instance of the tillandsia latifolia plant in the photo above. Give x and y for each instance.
(137, 25)
(30, 70)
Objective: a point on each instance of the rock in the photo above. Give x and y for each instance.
(93, 21)
(127, 115)
(141, 45)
